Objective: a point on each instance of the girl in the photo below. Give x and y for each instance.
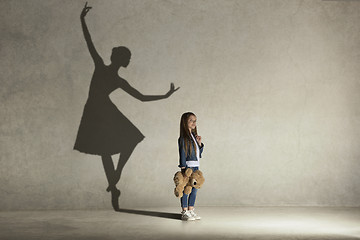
(190, 149)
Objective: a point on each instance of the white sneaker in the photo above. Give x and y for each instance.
(194, 215)
(187, 216)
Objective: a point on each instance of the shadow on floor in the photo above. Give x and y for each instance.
(176, 216)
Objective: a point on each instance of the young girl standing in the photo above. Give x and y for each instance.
(190, 149)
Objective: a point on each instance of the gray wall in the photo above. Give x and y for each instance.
(274, 84)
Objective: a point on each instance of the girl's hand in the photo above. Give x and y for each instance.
(198, 139)
(85, 11)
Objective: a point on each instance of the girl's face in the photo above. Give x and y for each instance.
(191, 122)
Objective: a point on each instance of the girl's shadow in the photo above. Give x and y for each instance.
(103, 129)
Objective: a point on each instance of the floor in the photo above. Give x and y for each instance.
(164, 223)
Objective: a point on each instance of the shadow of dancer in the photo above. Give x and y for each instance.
(103, 129)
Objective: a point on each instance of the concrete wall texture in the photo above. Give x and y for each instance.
(274, 84)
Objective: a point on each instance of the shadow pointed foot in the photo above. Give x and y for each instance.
(115, 194)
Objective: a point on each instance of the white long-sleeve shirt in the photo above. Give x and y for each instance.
(194, 163)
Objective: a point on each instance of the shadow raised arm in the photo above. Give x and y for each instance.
(94, 54)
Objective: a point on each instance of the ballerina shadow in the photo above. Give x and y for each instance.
(103, 129)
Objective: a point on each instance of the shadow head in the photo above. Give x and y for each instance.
(120, 56)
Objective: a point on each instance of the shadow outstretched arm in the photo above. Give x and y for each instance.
(145, 98)
(138, 95)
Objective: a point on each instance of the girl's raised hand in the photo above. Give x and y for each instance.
(85, 11)
(198, 139)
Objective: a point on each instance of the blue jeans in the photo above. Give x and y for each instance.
(191, 197)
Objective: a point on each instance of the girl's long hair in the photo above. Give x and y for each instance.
(184, 131)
